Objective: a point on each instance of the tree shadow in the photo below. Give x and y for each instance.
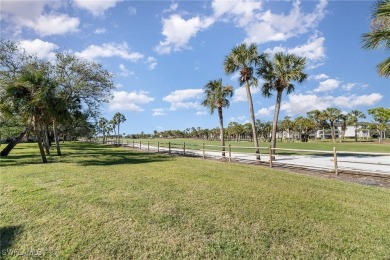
(116, 158)
(7, 237)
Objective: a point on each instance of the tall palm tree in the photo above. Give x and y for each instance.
(118, 119)
(379, 37)
(244, 58)
(103, 124)
(331, 114)
(278, 74)
(217, 98)
(354, 116)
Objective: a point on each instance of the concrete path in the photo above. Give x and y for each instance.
(379, 164)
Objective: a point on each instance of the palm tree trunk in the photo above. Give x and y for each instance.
(118, 132)
(222, 131)
(275, 122)
(252, 115)
(39, 140)
(56, 138)
(332, 132)
(14, 142)
(356, 132)
(46, 140)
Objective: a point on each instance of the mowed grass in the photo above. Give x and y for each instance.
(102, 202)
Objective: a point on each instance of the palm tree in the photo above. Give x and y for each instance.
(243, 58)
(217, 98)
(278, 74)
(29, 97)
(103, 124)
(118, 119)
(354, 116)
(331, 114)
(379, 37)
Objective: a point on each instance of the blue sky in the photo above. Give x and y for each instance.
(162, 53)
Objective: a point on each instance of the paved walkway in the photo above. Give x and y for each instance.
(361, 163)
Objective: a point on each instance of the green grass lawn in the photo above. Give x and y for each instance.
(101, 202)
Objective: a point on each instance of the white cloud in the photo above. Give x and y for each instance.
(158, 112)
(173, 7)
(241, 12)
(240, 93)
(42, 49)
(320, 76)
(242, 119)
(31, 15)
(178, 32)
(110, 50)
(349, 86)
(201, 113)
(280, 27)
(313, 51)
(355, 100)
(100, 31)
(151, 62)
(123, 100)
(125, 72)
(184, 98)
(96, 8)
(53, 24)
(299, 104)
(327, 85)
(267, 111)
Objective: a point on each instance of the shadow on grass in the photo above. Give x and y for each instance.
(86, 154)
(7, 237)
(115, 158)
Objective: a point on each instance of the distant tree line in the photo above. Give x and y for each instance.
(298, 129)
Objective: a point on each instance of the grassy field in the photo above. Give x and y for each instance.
(327, 145)
(101, 202)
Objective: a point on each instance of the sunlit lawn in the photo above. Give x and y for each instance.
(101, 202)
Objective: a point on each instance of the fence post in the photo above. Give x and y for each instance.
(270, 157)
(335, 161)
(158, 146)
(230, 152)
(169, 147)
(184, 148)
(148, 146)
(140, 145)
(133, 144)
(203, 150)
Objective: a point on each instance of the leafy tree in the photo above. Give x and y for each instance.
(244, 58)
(382, 117)
(353, 117)
(331, 114)
(303, 126)
(287, 125)
(278, 74)
(217, 98)
(319, 121)
(236, 130)
(379, 37)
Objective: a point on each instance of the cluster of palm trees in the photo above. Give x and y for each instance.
(277, 72)
(48, 96)
(107, 126)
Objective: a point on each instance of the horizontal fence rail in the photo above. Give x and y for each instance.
(335, 161)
